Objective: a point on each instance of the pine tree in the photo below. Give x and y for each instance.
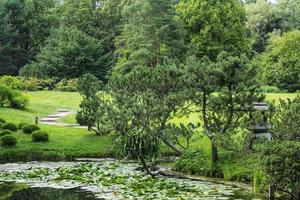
(150, 35)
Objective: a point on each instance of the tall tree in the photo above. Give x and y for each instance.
(222, 91)
(290, 13)
(6, 48)
(99, 19)
(281, 62)
(144, 103)
(151, 34)
(28, 23)
(263, 19)
(214, 26)
(69, 53)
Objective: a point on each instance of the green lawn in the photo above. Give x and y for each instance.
(64, 143)
(67, 143)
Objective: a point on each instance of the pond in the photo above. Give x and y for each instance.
(103, 179)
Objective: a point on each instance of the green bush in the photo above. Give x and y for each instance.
(12, 98)
(12, 82)
(40, 136)
(32, 84)
(5, 132)
(67, 85)
(269, 89)
(35, 84)
(5, 95)
(29, 128)
(22, 124)
(2, 121)
(18, 100)
(8, 140)
(197, 163)
(9, 126)
(280, 161)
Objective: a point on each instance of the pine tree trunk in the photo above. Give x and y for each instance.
(214, 153)
(296, 193)
(215, 158)
(171, 145)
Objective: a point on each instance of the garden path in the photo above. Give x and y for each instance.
(53, 119)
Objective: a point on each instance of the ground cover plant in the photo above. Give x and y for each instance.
(121, 181)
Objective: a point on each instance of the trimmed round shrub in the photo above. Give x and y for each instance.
(22, 124)
(8, 140)
(2, 121)
(29, 128)
(9, 126)
(40, 136)
(5, 132)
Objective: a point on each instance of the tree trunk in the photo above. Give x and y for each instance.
(271, 192)
(215, 158)
(145, 166)
(214, 152)
(171, 145)
(296, 193)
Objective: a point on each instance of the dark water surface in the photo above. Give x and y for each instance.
(17, 192)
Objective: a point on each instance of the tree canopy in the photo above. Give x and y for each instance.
(281, 62)
(67, 54)
(214, 26)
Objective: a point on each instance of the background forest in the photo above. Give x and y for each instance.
(65, 39)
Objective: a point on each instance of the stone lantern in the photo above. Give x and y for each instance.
(262, 129)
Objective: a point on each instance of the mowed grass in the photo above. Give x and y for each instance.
(65, 143)
(68, 143)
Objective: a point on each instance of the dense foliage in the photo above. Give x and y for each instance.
(281, 62)
(286, 121)
(12, 98)
(214, 26)
(92, 111)
(68, 52)
(148, 69)
(281, 162)
(25, 25)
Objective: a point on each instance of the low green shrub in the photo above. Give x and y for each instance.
(5, 95)
(197, 163)
(12, 82)
(35, 84)
(22, 124)
(40, 136)
(8, 140)
(280, 161)
(29, 128)
(2, 121)
(19, 101)
(32, 84)
(269, 89)
(5, 132)
(12, 98)
(67, 85)
(9, 126)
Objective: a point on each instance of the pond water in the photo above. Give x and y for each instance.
(103, 179)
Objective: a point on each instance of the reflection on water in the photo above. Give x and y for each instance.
(19, 192)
